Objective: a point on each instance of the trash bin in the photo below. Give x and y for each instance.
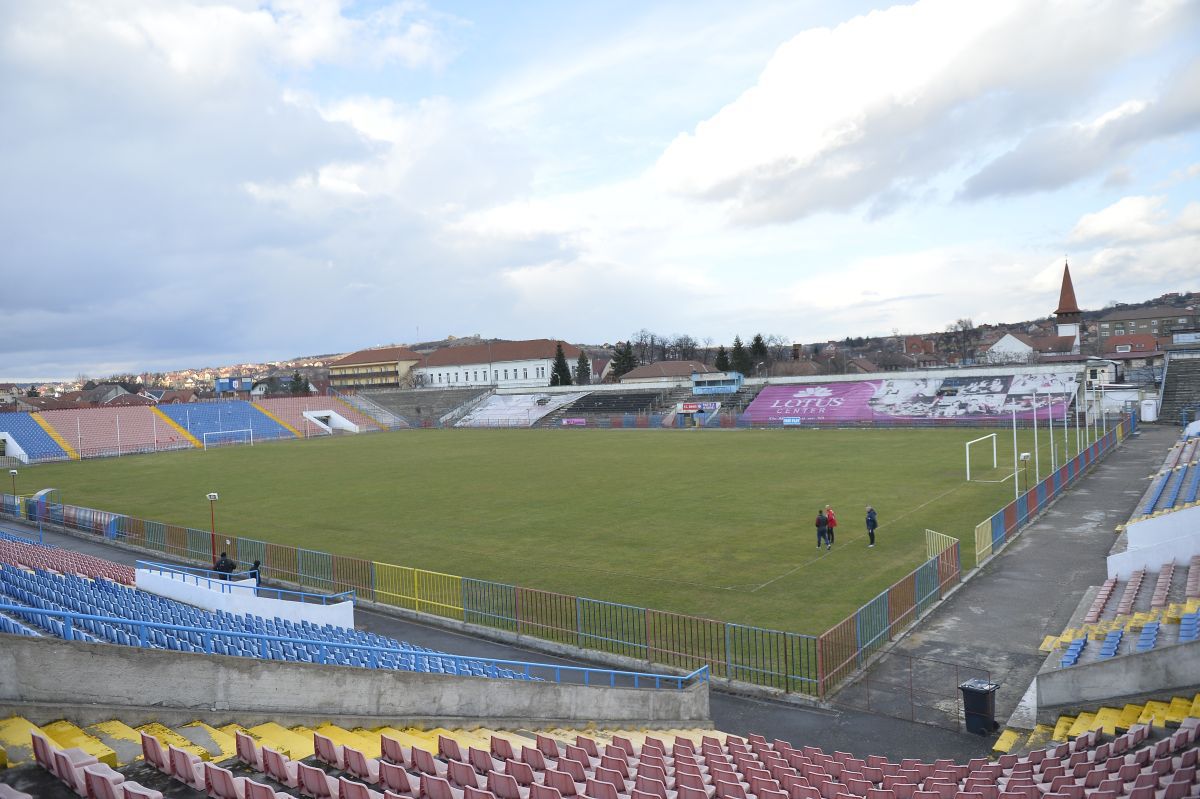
(979, 705)
(1149, 410)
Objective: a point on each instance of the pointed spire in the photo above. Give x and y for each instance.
(1066, 297)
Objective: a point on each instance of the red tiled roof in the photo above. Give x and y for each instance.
(1047, 344)
(667, 370)
(377, 355)
(492, 351)
(1138, 342)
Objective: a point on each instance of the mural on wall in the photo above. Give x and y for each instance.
(977, 398)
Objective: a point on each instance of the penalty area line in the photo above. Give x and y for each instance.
(906, 514)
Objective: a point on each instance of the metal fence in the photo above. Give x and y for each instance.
(788, 661)
(1004, 525)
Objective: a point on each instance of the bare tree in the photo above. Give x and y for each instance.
(684, 347)
(708, 342)
(779, 348)
(643, 345)
(961, 337)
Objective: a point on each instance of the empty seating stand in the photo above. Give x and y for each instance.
(291, 410)
(1162, 586)
(615, 402)
(19, 552)
(106, 432)
(209, 632)
(515, 410)
(30, 436)
(1101, 599)
(225, 422)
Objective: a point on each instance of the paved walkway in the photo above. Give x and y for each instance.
(998, 619)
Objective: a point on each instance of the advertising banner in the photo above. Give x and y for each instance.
(979, 398)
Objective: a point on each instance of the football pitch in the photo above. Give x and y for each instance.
(710, 523)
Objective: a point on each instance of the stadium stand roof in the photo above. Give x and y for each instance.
(378, 355)
(500, 351)
(667, 370)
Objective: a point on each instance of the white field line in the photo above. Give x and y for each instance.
(811, 561)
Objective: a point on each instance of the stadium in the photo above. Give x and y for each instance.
(914, 539)
(624, 632)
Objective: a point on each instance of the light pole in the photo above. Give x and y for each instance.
(212, 515)
(13, 473)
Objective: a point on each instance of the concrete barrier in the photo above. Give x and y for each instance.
(240, 598)
(1157, 673)
(74, 677)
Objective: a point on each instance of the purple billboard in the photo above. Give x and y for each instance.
(974, 398)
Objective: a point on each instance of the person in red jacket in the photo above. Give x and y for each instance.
(832, 521)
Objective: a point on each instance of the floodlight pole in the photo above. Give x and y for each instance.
(212, 516)
(1037, 462)
(13, 473)
(1016, 475)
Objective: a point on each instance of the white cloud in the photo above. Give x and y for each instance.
(1128, 219)
(1057, 155)
(1136, 242)
(887, 101)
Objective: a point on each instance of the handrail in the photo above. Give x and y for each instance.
(225, 584)
(208, 636)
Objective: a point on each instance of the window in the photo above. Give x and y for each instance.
(1122, 348)
(495, 374)
(505, 374)
(1103, 325)
(525, 374)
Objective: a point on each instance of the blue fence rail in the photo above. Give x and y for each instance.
(74, 626)
(224, 583)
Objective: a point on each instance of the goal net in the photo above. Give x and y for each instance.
(224, 438)
(985, 466)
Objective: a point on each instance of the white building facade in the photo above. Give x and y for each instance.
(504, 364)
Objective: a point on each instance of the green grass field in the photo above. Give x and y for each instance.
(711, 523)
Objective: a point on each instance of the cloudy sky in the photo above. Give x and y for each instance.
(192, 183)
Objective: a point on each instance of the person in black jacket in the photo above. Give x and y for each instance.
(872, 523)
(225, 566)
(823, 531)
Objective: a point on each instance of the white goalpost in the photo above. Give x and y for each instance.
(222, 438)
(995, 462)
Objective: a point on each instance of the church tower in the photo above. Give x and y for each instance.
(1068, 316)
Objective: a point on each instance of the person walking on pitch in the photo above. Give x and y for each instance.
(872, 523)
(832, 521)
(823, 531)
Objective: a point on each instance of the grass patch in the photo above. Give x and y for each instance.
(711, 523)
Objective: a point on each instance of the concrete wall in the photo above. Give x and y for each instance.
(237, 597)
(72, 677)
(12, 449)
(1152, 542)
(1180, 550)
(1160, 672)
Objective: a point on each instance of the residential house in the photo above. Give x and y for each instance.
(382, 367)
(1157, 320)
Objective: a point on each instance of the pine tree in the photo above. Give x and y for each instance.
(722, 359)
(624, 360)
(583, 370)
(758, 349)
(739, 358)
(560, 373)
(299, 385)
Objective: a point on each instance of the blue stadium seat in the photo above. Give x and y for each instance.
(214, 418)
(102, 597)
(29, 435)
